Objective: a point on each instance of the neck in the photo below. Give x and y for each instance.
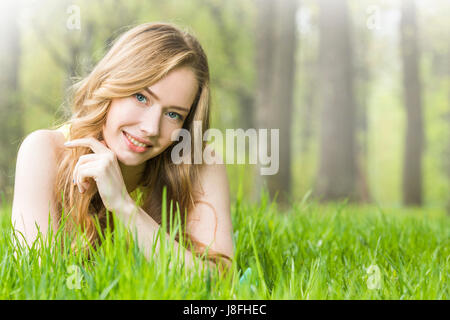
(131, 175)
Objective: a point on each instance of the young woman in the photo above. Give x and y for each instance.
(153, 82)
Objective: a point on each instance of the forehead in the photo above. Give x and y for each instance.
(178, 88)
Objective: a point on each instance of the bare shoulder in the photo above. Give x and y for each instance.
(43, 139)
(34, 179)
(210, 220)
(212, 173)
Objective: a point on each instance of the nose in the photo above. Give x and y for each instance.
(150, 121)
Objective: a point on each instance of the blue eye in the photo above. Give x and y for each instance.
(141, 98)
(174, 115)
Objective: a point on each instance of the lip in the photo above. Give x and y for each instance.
(133, 147)
(139, 139)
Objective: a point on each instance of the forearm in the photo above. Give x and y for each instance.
(137, 220)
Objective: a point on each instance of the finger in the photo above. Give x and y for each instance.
(88, 157)
(83, 159)
(86, 174)
(86, 184)
(82, 184)
(89, 142)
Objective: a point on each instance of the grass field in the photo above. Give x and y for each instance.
(311, 251)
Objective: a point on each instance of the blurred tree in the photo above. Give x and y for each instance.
(308, 78)
(239, 89)
(337, 165)
(75, 51)
(11, 130)
(446, 155)
(412, 158)
(362, 79)
(275, 62)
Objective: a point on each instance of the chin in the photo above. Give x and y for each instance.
(129, 161)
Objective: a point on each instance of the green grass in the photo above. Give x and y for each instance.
(311, 251)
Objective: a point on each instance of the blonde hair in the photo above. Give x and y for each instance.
(139, 58)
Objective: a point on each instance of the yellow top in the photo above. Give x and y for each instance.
(65, 130)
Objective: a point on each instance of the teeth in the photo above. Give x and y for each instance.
(136, 143)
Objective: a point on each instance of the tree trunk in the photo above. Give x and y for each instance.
(244, 96)
(446, 155)
(412, 160)
(11, 131)
(276, 45)
(337, 165)
(362, 81)
(264, 35)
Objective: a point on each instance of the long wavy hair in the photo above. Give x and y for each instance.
(139, 58)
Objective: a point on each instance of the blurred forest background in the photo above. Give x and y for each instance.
(359, 89)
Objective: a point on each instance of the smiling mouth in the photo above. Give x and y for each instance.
(133, 142)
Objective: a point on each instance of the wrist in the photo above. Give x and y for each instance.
(125, 207)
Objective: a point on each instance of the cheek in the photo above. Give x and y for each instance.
(119, 114)
(115, 118)
(167, 131)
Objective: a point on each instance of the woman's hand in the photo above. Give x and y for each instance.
(101, 166)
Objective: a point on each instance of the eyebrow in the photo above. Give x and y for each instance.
(156, 97)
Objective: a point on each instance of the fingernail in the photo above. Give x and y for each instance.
(68, 143)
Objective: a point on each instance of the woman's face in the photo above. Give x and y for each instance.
(140, 127)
